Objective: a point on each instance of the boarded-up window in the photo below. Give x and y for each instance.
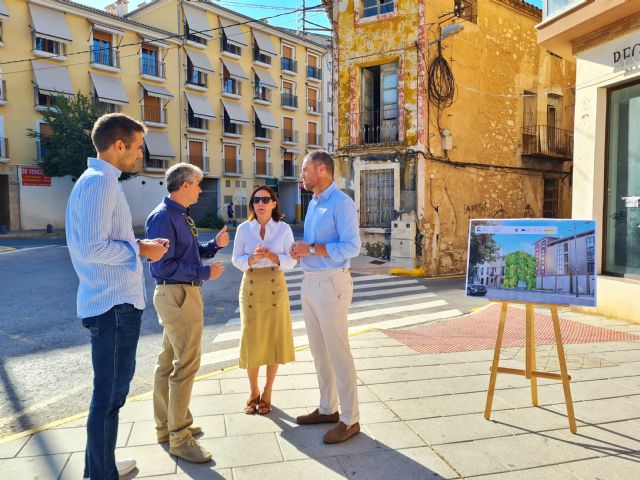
(376, 198)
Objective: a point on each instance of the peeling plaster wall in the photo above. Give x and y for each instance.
(484, 175)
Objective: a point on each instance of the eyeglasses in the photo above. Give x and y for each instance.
(264, 200)
(192, 225)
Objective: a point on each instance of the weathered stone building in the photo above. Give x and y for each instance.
(500, 145)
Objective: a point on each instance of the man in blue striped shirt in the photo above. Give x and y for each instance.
(105, 255)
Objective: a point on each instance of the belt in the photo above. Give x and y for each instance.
(195, 283)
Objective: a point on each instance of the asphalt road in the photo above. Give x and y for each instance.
(45, 368)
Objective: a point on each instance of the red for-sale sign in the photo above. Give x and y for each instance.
(35, 177)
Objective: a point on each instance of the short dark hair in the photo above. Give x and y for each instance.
(112, 127)
(322, 157)
(276, 215)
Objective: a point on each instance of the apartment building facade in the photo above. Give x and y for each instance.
(499, 147)
(239, 98)
(604, 39)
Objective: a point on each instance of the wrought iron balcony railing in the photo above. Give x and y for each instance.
(378, 126)
(547, 142)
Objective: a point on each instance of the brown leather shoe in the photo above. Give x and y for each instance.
(317, 417)
(341, 432)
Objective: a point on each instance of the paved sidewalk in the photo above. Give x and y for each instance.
(421, 418)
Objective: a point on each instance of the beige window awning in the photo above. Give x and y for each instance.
(233, 32)
(265, 117)
(49, 23)
(158, 144)
(157, 91)
(235, 112)
(235, 70)
(200, 61)
(109, 89)
(200, 106)
(3, 10)
(265, 78)
(52, 79)
(197, 21)
(264, 43)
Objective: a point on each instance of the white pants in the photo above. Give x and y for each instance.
(326, 296)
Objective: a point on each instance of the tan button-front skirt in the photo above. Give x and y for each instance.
(266, 319)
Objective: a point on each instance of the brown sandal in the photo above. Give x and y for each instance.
(264, 407)
(252, 405)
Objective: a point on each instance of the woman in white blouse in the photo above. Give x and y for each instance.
(261, 251)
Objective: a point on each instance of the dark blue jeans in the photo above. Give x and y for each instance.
(114, 339)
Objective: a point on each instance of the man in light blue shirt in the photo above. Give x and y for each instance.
(105, 255)
(331, 239)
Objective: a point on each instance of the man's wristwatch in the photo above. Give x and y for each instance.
(312, 248)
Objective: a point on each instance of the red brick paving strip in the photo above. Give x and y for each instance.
(478, 332)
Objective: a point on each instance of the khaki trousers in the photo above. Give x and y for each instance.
(181, 313)
(326, 296)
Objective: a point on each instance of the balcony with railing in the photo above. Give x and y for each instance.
(262, 169)
(156, 163)
(289, 136)
(378, 126)
(4, 147)
(232, 129)
(289, 100)
(228, 47)
(199, 161)
(314, 139)
(3, 90)
(196, 38)
(197, 123)
(152, 68)
(542, 141)
(262, 94)
(314, 106)
(262, 133)
(231, 86)
(107, 57)
(314, 73)
(261, 57)
(289, 65)
(196, 78)
(232, 167)
(290, 170)
(106, 107)
(154, 114)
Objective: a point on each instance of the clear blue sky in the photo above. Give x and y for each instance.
(515, 242)
(261, 9)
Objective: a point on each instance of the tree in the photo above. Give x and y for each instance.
(482, 248)
(520, 266)
(68, 145)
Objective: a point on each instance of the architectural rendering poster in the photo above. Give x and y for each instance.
(545, 261)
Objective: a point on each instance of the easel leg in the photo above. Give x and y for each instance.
(496, 359)
(531, 350)
(563, 370)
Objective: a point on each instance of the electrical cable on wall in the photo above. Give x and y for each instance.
(441, 84)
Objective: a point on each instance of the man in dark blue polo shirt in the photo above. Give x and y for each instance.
(178, 301)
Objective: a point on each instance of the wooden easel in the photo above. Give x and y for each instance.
(530, 371)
